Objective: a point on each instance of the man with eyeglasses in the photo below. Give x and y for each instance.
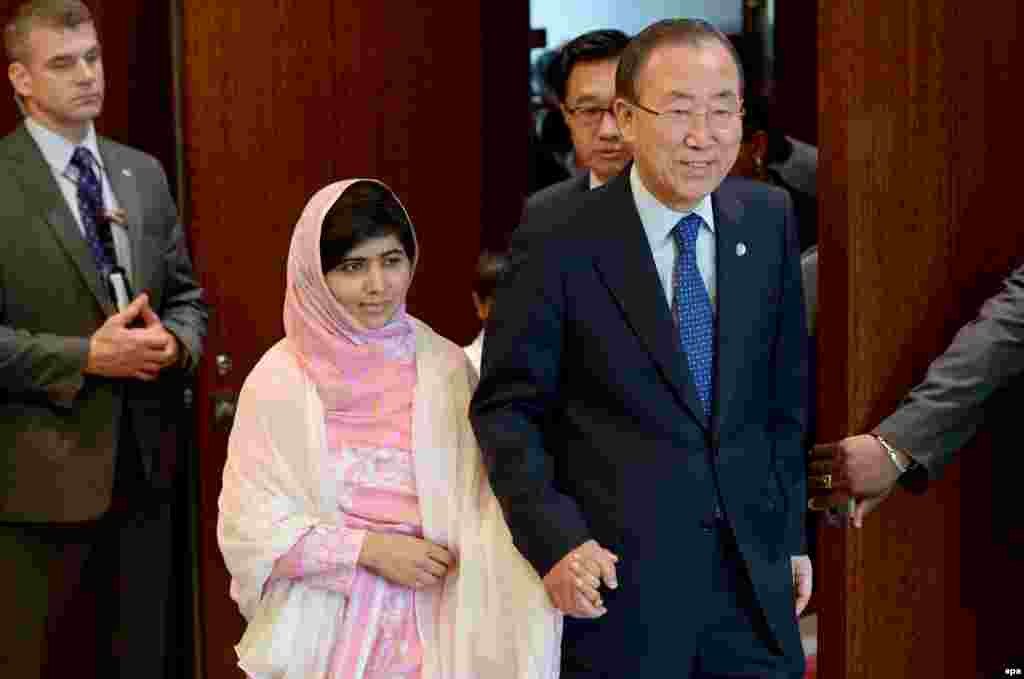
(643, 400)
(585, 84)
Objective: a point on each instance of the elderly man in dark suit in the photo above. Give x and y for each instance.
(584, 82)
(643, 396)
(91, 385)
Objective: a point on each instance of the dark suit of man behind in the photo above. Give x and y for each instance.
(87, 426)
(549, 195)
(594, 431)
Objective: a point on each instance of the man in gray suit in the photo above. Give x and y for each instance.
(940, 415)
(585, 84)
(91, 387)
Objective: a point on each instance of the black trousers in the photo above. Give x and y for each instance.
(733, 639)
(90, 599)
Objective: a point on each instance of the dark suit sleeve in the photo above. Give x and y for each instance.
(44, 364)
(789, 412)
(943, 412)
(182, 311)
(516, 396)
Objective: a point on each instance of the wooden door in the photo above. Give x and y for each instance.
(282, 98)
(917, 226)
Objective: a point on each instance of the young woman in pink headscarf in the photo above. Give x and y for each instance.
(356, 519)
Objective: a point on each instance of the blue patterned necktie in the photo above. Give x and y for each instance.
(691, 308)
(90, 204)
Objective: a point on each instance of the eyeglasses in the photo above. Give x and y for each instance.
(590, 116)
(720, 119)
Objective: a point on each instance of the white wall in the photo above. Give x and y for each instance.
(565, 19)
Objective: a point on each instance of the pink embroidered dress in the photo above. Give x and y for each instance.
(376, 491)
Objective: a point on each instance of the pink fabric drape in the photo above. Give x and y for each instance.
(365, 377)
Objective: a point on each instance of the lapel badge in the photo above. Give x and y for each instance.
(126, 172)
(741, 249)
(118, 216)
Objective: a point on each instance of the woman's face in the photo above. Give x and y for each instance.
(371, 281)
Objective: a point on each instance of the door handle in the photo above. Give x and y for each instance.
(224, 364)
(224, 405)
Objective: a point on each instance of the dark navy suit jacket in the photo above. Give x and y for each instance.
(592, 428)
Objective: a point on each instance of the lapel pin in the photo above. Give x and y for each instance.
(741, 249)
(118, 216)
(126, 172)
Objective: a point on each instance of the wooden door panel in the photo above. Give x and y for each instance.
(257, 113)
(913, 236)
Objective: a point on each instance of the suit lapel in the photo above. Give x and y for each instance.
(626, 265)
(733, 314)
(126, 190)
(42, 189)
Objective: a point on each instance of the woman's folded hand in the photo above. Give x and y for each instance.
(405, 560)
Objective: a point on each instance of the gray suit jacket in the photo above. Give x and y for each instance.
(943, 412)
(59, 428)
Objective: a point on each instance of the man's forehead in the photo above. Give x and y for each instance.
(50, 41)
(681, 70)
(592, 78)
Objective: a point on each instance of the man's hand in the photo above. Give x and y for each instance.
(152, 324)
(573, 583)
(860, 467)
(803, 581)
(405, 560)
(866, 505)
(115, 350)
(864, 468)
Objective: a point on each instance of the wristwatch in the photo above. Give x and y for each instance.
(891, 452)
(913, 476)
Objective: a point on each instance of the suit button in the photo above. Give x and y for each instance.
(708, 524)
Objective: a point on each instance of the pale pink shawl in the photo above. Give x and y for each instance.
(365, 377)
(491, 618)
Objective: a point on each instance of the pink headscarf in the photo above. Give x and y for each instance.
(365, 377)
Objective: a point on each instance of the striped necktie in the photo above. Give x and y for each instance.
(90, 204)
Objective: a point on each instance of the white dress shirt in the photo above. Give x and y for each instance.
(57, 152)
(475, 351)
(659, 220)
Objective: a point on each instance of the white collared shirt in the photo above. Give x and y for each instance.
(475, 351)
(57, 152)
(659, 220)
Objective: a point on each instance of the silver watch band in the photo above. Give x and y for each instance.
(891, 452)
